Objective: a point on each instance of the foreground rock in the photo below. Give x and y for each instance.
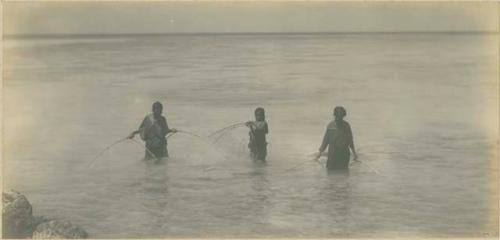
(18, 221)
(56, 229)
(17, 215)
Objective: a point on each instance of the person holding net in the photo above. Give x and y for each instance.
(153, 131)
(339, 140)
(258, 131)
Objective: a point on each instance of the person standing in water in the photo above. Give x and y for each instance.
(153, 131)
(338, 138)
(258, 131)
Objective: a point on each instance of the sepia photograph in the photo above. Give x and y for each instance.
(250, 119)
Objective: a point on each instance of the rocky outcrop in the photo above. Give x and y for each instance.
(56, 229)
(17, 215)
(37, 220)
(18, 221)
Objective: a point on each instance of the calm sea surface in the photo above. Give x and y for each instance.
(423, 108)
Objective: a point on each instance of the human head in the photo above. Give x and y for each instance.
(157, 108)
(260, 114)
(339, 112)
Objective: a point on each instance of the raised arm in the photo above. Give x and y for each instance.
(250, 125)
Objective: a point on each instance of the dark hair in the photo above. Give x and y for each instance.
(157, 105)
(339, 111)
(260, 110)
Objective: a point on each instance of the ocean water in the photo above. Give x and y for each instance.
(423, 109)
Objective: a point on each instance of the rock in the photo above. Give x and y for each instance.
(37, 220)
(18, 221)
(55, 229)
(17, 215)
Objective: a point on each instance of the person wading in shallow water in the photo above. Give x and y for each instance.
(258, 131)
(153, 130)
(338, 138)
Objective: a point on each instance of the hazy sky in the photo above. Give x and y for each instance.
(278, 16)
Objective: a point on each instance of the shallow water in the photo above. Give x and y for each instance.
(423, 108)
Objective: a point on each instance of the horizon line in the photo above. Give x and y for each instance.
(62, 35)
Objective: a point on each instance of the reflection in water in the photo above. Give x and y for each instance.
(155, 182)
(337, 190)
(205, 191)
(260, 197)
(154, 193)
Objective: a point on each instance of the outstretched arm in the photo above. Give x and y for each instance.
(132, 135)
(166, 130)
(250, 125)
(143, 124)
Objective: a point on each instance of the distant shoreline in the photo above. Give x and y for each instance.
(139, 35)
